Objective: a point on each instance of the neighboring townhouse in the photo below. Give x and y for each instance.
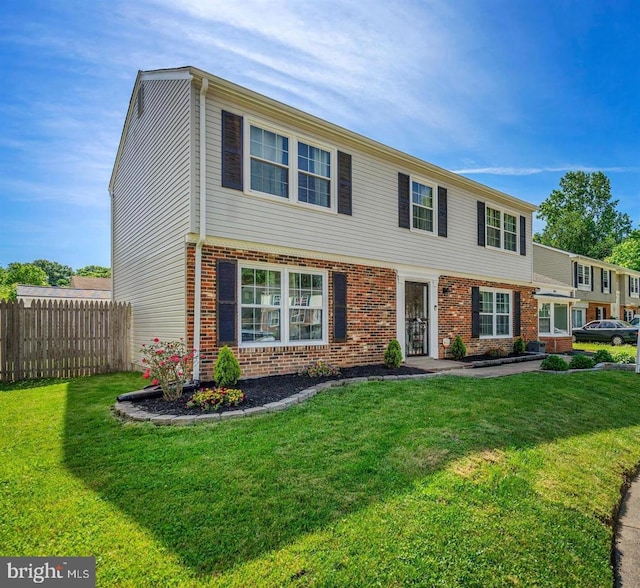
(60, 294)
(239, 220)
(602, 290)
(629, 293)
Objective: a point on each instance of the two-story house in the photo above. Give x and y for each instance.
(240, 220)
(629, 293)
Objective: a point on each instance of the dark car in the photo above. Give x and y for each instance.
(608, 331)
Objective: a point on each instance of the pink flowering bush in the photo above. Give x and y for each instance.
(169, 365)
(210, 399)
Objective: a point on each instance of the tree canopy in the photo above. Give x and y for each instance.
(94, 271)
(627, 253)
(581, 216)
(57, 274)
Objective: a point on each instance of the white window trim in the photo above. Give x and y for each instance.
(502, 212)
(494, 314)
(635, 287)
(284, 307)
(552, 304)
(586, 283)
(294, 139)
(434, 208)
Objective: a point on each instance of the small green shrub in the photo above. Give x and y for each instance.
(319, 368)
(458, 348)
(226, 371)
(554, 363)
(581, 362)
(602, 356)
(496, 352)
(519, 346)
(624, 357)
(210, 399)
(393, 354)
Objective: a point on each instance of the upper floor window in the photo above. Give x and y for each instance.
(269, 162)
(502, 229)
(286, 166)
(634, 287)
(422, 207)
(606, 281)
(583, 277)
(495, 313)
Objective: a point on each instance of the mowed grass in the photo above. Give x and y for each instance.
(594, 347)
(439, 482)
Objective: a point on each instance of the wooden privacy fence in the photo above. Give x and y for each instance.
(52, 339)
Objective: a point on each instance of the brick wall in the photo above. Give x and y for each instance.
(371, 315)
(591, 310)
(558, 344)
(454, 315)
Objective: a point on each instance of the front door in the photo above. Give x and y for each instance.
(416, 319)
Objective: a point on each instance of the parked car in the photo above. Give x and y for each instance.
(635, 321)
(608, 331)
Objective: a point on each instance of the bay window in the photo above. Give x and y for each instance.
(553, 318)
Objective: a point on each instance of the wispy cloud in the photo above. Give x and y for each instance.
(530, 171)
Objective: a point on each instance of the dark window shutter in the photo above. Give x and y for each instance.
(523, 235)
(231, 150)
(475, 312)
(226, 276)
(404, 213)
(604, 312)
(517, 330)
(629, 285)
(575, 274)
(339, 307)
(591, 267)
(344, 183)
(442, 211)
(602, 280)
(481, 223)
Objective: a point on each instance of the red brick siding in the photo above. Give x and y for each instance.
(591, 310)
(371, 315)
(557, 344)
(454, 314)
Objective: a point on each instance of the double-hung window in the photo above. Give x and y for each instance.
(269, 162)
(495, 313)
(583, 273)
(634, 287)
(502, 229)
(282, 305)
(290, 167)
(553, 318)
(422, 206)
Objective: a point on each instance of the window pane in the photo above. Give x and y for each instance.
(509, 223)
(502, 303)
(305, 290)
(510, 241)
(314, 190)
(260, 324)
(493, 237)
(269, 146)
(422, 195)
(314, 160)
(305, 325)
(502, 325)
(493, 218)
(560, 318)
(486, 325)
(269, 178)
(422, 218)
(486, 302)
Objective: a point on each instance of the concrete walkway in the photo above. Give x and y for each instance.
(627, 546)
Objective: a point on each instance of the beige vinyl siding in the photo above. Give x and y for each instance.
(371, 232)
(150, 212)
(553, 263)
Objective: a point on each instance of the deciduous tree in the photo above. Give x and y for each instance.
(627, 253)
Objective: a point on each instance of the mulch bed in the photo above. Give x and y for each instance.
(261, 391)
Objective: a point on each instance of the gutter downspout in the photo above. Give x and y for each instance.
(197, 305)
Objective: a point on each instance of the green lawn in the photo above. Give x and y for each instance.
(439, 482)
(613, 349)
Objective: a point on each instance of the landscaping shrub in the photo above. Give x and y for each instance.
(496, 352)
(393, 354)
(554, 363)
(624, 357)
(226, 371)
(581, 362)
(319, 368)
(602, 356)
(210, 399)
(169, 365)
(519, 346)
(458, 348)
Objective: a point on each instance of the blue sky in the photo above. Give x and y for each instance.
(512, 93)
